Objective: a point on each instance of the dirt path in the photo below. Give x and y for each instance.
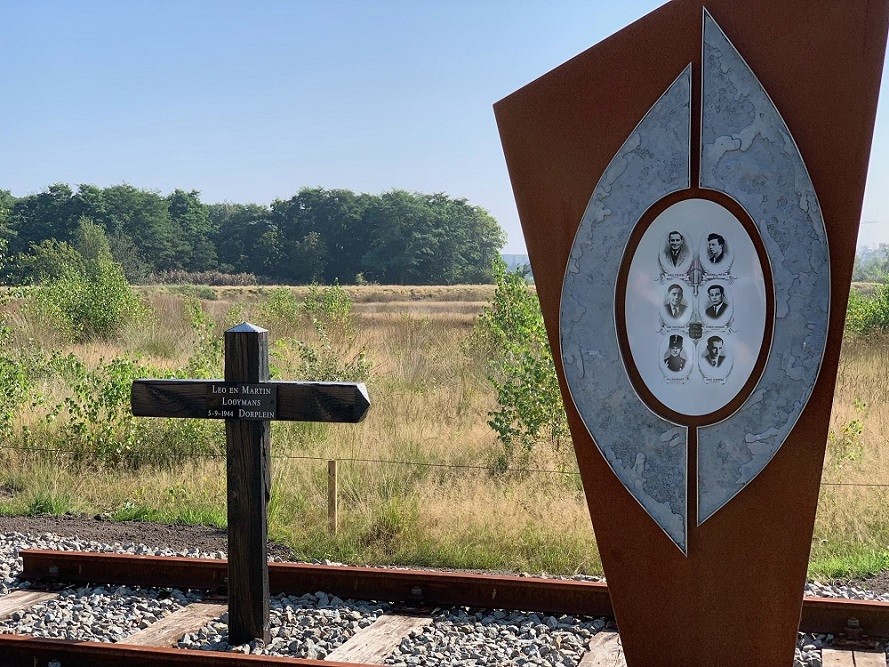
(154, 534)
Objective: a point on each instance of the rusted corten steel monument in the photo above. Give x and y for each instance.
(690, 190)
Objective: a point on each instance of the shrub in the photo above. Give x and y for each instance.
(204, 292)
(332, 358)
(280, 309)
(46, 261)
(322, 362)
(89, 296)
(330, 310)
(94, 303)
(206, 359)
(215, 278)
(15, 383)
(868, 313)
(846, 444)
(512, 337)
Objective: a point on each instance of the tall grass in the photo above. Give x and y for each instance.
(852, 527)
(416, 484)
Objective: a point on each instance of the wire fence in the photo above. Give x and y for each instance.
(425, 464)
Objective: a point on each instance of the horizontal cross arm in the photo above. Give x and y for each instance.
(296, 401)
(322, 401)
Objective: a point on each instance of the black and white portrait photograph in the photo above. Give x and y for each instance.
(675, 256)
(715, 362)
(716, 253)
(676, 357)
(675, 310)
(715, 304)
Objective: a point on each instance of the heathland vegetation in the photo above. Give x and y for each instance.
(463, 461)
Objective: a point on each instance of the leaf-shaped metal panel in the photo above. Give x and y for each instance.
(747, 152)
(647, 452)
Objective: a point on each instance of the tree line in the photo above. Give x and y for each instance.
(872, 265)
(317, 235)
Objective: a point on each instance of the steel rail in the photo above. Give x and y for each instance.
(417, 587)
(21, 651)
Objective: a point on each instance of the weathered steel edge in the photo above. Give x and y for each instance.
(830, 615)
(418, 587)
(21, 651)
(411, 586)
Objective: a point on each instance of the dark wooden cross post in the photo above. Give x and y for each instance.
(249, 485)
(248, 401)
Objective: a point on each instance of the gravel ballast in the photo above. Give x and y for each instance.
(313, 625)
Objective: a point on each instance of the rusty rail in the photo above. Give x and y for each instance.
(19, 651)
(416, 587)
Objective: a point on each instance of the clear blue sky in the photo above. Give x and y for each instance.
(249, 101)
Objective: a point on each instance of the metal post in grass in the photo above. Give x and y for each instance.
(249, 402)
(332, 497)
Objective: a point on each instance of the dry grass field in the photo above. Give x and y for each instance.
(416, 480)
(852, 528)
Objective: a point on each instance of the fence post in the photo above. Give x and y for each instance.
(332, 497)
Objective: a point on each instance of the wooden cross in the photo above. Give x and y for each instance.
(248, 402)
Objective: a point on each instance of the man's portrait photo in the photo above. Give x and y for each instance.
(716, 248)
(675, 360)
(714, 355)
(675, 307)
(715, 253)
(716, 361)
(676, 256)
(716, 302)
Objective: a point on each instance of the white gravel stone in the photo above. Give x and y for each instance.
(306, 626)
(97, 613)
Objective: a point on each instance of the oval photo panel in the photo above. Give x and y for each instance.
(695, 307)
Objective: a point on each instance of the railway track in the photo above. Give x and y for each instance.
(414, 594)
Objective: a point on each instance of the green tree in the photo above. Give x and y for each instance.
(403, 240)
(467, 243)
(125, 253)
(7, 233)
(45, 261)
(308, 256)
(194, 246)
(50, 214)
(89, 202)
(237, 230)
(317, 235)
(873, 266)
(429, 239)
(327, 222)
(144, 217)
(91, 242)
(267, 254)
